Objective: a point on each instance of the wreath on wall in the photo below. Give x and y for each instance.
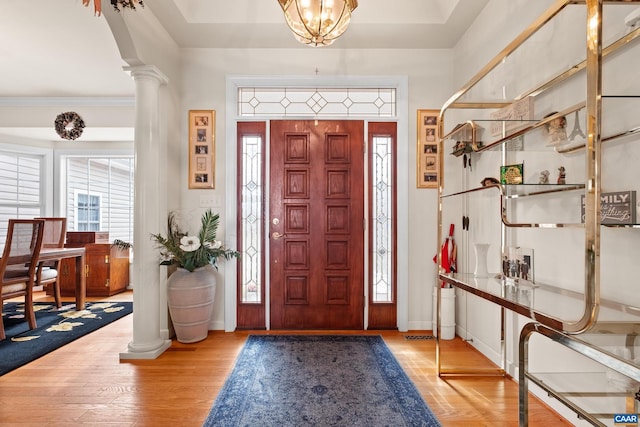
(69, 119)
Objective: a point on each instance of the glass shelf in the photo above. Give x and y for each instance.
(546, 134)
(480, 135)
(525, 190)
(621, 225)
(547, 304)
(513, 191)
(616, 37)
(600, 394)
(464, 138)
(594, 392)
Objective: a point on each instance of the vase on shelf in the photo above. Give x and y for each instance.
(481, 250)
(190, 296)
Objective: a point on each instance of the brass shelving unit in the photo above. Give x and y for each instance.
(546, 304)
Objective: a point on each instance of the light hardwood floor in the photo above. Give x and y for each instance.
(85, 384)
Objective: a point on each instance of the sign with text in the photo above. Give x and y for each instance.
(625, 419)
(616, 208)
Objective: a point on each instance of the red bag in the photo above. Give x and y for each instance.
(448, 254)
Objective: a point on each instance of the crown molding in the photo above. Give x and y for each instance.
(31, 101)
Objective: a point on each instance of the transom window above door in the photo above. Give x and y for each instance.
(316, 102)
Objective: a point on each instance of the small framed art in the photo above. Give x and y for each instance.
(512, 174)
(202, 128)
(427, 149)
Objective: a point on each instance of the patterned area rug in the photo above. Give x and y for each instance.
(56, 327)
(340, 380)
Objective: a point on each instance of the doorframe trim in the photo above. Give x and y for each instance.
(401, 84)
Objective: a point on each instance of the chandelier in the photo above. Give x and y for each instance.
(117, 4)
(318, 22)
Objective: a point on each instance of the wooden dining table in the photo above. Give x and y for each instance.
(53, 254)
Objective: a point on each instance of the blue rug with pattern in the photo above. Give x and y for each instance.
(56, 327)
(318, 380)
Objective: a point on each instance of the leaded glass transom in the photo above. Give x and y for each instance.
(316, 102)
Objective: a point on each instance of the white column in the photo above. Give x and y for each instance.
(147, 342)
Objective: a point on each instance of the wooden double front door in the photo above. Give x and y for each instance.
(316, 225)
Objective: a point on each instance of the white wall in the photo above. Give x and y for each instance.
(429, 74)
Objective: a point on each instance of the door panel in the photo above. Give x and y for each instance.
(316, 225)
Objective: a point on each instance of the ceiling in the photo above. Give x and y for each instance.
(60, 49)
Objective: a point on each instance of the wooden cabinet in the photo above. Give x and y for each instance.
(106, 271)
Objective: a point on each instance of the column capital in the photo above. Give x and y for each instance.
(147, 71)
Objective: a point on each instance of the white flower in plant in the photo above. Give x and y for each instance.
(216, 244)
(189, 243)
(189, 251)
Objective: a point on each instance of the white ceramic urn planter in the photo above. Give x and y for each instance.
(190, 296)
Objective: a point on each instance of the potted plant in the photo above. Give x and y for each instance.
(191, 288)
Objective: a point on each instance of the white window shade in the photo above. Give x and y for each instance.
(20, 188)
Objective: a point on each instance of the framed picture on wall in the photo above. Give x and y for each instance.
(427, 149)
(202, 129)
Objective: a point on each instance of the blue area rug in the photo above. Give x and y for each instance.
(56, 327)
(310, 380)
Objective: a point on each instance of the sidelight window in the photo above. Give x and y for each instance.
(252, 185)
(382, 218)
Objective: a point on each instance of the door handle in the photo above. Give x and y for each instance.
(275, 235)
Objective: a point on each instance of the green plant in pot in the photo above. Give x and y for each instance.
(191, 288)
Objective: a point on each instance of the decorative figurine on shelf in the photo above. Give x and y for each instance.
(489, 181)
(577, 131)
(458, 145)
(505, 266)
(562, 175)
(556, 129)
(544, 177)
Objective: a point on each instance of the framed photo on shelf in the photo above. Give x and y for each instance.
(517, 263)
(427, 149)
(512, 174)
(202, 129)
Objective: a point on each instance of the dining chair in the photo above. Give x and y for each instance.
(48, 272)
(18, 265)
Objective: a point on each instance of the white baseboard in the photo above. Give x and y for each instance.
(426, 325)
(145, 355)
